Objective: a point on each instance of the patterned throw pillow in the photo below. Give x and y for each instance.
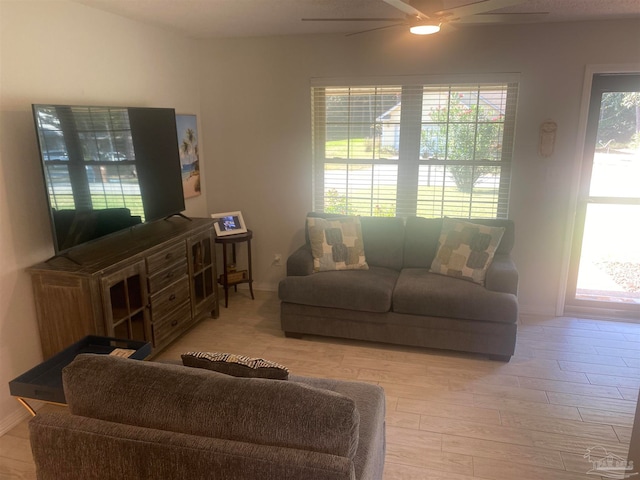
(466, 249)
(336, 243)
(235, 365)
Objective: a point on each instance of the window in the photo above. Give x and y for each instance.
(423, 149)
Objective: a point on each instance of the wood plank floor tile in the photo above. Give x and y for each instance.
(593, 415)
(623, 433)
(577, 428)
(502, 451)
(476, 430)
(574, 444)
(522, 406)
(608, 404)
(414, 437)
(519, 393)
(405, 420)
(542, 342)
(492, 469)
(427, 394)
(417, 456)
(447, 410)
(575, 388)
(629, 393)
(12, 469)
(395, 471)
(599, 369)
(616, 361)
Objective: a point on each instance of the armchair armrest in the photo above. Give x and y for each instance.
(300, 262)
(502, 275)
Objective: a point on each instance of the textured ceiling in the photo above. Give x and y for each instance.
(233, 18)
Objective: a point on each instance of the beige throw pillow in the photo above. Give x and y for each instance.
(336, 244)
(466, 249)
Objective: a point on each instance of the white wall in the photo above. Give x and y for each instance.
(256, 111)
(61, 52)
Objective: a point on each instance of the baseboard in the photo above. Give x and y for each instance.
(13, 419)
(265, 286)
(537, 310)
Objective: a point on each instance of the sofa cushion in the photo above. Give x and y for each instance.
(370, 402)
(419, 292)
(206, 403)
(235, 365)
(336, 243)
(421, 241)
(383, 239)
(367, 290)
(422, 235)
(466, 249)
(71, 447)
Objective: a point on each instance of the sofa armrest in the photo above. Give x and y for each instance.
(502, 275)
(300, 262)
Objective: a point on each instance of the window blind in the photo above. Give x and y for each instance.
(426, 149)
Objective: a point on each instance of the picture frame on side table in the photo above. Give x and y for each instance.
(229, 223)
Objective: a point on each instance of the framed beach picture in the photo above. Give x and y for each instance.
(228, 223)
(187, 126)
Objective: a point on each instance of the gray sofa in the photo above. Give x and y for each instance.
(138, 420)
(397, 300)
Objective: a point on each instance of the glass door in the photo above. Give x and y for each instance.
(605, 259)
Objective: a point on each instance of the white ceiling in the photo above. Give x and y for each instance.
(237, 18)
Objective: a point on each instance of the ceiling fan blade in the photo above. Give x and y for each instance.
(406, 8)
(476, 8)
(389, 19)
(374, 29)
(502, 17)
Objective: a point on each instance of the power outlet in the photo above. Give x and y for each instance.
(277, 259)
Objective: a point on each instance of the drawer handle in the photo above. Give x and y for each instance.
(172, 297)
(174, 323)
(168, 256)
(169, 275)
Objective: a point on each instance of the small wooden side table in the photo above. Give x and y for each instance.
(233, 279)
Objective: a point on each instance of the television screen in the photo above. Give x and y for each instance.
(107, 168)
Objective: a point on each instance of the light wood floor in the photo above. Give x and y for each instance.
(573, 384)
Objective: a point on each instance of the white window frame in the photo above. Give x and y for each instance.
(409, 162)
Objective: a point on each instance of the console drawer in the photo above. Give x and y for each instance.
(166, 301)
(171, 326)
(167, 257)
(166, 277)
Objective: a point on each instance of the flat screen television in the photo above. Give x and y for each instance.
(107, 169)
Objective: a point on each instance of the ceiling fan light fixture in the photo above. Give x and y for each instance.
(425, 28)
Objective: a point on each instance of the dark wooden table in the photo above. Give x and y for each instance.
(44, 381)
(233, 279)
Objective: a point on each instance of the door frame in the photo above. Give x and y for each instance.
(578, 165)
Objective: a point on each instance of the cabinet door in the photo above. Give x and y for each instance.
(125, 302)
(202, 273)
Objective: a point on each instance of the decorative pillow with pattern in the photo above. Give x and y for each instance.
(235, 365)
(336, 243)
(466, 249)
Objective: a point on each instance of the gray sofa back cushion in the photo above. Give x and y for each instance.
(422, 235)
(71, 447)
(205, 403)
(383, 239)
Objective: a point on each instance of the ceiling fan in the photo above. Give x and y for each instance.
(432, 16)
